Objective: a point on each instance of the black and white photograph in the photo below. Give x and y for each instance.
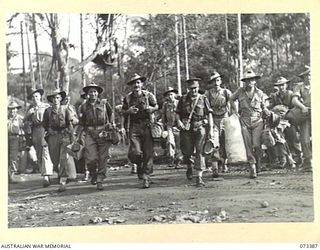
(120, 119)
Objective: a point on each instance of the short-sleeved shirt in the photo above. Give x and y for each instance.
(218, 100)
(282, 98)
(201, 110)
(15, 125)
(97, 114)
(57, 119)
(303, 93)
(34, 117)
(141, 102)
(249, 107)
(169, 112)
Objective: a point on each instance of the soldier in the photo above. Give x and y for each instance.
(35, 134)
(15, 134)
(58, 121)
(140, 105)
(219, 102)
(193, 115)
(302, 99)
(169, 108)
(283, 100)
(252, 104)
(96, 119)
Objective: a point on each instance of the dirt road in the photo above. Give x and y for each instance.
(275, 196)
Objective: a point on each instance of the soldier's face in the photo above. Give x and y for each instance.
(36, 98)
(93, 94)
(250, 83)
(217, 82)
(282, 87)
(56, 100)
(194, 91)
(137, 85)
(171, 96)
(13, 112)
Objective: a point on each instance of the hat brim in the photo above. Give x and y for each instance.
(98, 88)
(14, 107)
(169, 91)
(251, 77)
(280, 83)
(193, 79)
(142, 78)
(40, 91)
(62, 93)
(211, 80)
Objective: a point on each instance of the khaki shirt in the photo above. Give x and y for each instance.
(250, 107)
(95, 115)
(218, 100)
(141, 102)
(15, 125)
(169, 112)
(303, 92)
(201, 111)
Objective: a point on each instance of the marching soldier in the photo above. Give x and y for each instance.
(15, 134)
(169, 121)
(58, 121)
(140, 105)
(193, 115)
(252, 105)
(219, 102)
(96, 119)
(35, 134)
(302, 99)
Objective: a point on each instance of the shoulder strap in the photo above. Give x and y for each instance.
(226, 95)
(194, 107)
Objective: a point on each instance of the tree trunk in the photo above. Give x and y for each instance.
(81, 50)
(177, 55)
(33, 84)
(23, 67)
(271, 45)
(37, 50)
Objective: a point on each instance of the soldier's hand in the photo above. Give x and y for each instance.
(305, 110)
(133, 110)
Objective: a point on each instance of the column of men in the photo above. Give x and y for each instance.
(190, 122)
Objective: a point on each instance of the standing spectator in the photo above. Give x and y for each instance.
(58, 121)
(15, 138)
(140, 105)
(169, 108)
(193, 116)
(252, 104)
(96, 119)
(302, 99)
(219, 102)
(35, 134)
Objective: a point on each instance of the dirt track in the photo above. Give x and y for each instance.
(170, 199)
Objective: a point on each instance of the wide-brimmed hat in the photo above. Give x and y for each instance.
(250, 75)
(281, 81)
(170, 89)
(214, 76)
(136, 77)
(92, 85)
(193, 82)
(209, 147)
(306, 72)
(33, 90)
(56, 92)
(13, 105)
